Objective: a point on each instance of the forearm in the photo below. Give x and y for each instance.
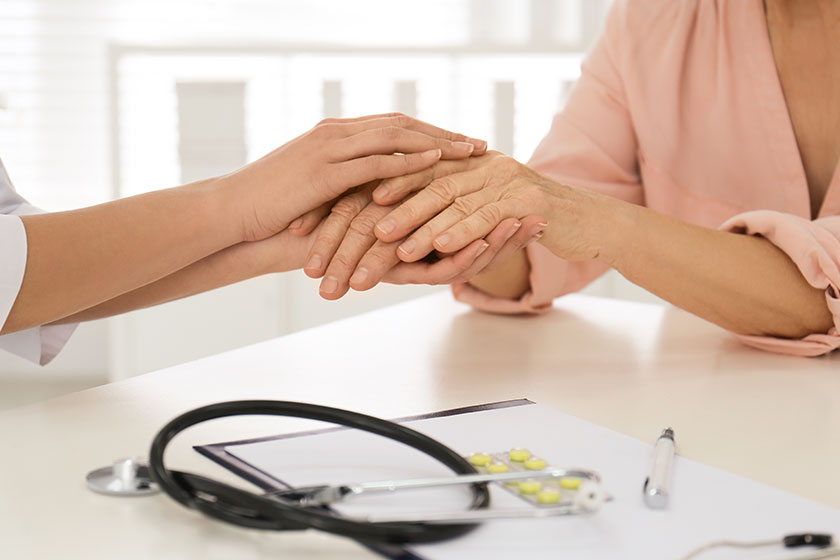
(81, 258)
(742, 283)
(508, 280)
(236, 263)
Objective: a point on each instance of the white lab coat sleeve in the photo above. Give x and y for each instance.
(40, 344)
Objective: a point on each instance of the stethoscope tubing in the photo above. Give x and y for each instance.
(240, 507)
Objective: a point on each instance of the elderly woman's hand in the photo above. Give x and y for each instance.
(456, 209)
(347, 254)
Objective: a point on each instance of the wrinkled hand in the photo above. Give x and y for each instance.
(336, 155)
(347, 253)
(456, 209)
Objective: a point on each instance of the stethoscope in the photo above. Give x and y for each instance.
(308, 508)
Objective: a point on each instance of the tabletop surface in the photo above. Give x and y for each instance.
(631, 367)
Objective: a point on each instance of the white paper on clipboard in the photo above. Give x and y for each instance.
(707, 504)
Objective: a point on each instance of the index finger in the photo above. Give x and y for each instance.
(411, 123)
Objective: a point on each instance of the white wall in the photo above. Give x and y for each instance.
(88, 110)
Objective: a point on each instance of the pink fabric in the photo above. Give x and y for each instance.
(679, 107)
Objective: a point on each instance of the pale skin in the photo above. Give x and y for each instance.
(720, 276)
(168, 244)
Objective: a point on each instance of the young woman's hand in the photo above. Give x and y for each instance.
(347, 254)
(336, 155)
(456, 209)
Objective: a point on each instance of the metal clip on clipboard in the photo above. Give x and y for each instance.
(589, 497)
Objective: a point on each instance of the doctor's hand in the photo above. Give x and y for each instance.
(336, 155)
(347, 254)
(456, 209)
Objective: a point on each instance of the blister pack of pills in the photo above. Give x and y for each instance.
(546, 492)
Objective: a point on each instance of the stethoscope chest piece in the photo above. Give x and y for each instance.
(126, 477)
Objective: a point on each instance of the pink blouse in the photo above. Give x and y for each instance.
(679, 107)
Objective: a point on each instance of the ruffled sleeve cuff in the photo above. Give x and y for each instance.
(814, 246)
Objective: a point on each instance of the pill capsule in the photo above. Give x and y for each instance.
(535, 464)
(497, 468)
(569, 483)
(519, 455)
(480, 459)
(548, 496)
(529, 487)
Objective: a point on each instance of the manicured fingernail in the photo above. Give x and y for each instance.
(482, 248)
(433, 154)
(387, 226)
(296, 224)
(479, 144)
(329, 285)
(359, 276)
(314, 263)
(443, 240)
(466, 146)
(543, 225)
(408, 247)
(516, 227)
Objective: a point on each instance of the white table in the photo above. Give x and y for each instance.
(632, 367)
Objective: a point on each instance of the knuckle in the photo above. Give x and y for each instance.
(346, 209)
(444, 189)
(490, 214)
(402, 120)
(323, 130)
(363, 224)
(390, 132)
(462, 206)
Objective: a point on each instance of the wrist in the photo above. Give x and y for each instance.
(614, 223)
(585, 225)
(212, 201)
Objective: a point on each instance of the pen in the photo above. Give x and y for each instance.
(655, 489)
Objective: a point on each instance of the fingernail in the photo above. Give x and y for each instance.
(516, 227)
(479, 144)
(543, 224)
(433, 154)
(482, 248)
(443, 240)
(296, 224)
(408, 247)
(314, 263)
(538, 235)
(359, 276)
(329, 285)
(466, 146)
(387, 226)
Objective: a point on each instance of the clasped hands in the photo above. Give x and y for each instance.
(421, 227)
(390, 198)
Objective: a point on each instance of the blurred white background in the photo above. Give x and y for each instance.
(107, 98)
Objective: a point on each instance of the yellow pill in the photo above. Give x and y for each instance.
(548, 497)
(497, 468)
(480, 459)
(529, 486)
(535, 464)
(570, 483)
(519, 455)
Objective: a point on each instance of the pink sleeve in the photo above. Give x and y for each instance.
(591, 145)
(814, 246)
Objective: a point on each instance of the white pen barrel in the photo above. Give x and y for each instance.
(656, 487)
